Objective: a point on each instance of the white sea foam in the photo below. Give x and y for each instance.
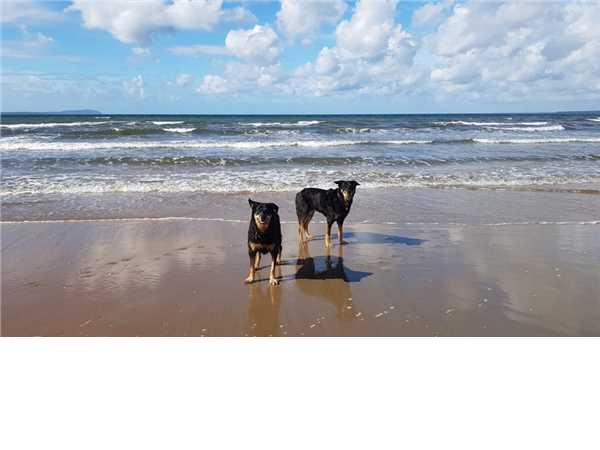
(353, 130)
(533, 128)
(179, 130)
(537, 141)
(597, 119)
(278, 180)
(168, 122)
(50, 125)
(300, 123)
(489, 124)
(191, 144)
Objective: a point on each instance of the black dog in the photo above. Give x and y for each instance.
(334, 204)
(264, 236)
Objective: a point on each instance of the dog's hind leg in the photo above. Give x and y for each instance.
(307, 220)
(301, 210)
(250, 277)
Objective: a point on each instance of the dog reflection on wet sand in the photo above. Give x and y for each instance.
(263, 311)
(328, 268)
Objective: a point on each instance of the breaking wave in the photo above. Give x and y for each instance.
(17, 126)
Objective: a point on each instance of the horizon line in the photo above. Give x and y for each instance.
(87, 113)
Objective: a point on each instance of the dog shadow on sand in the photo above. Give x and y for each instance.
(325, 267)
(367, 237)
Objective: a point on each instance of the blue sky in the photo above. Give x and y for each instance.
(300, 56)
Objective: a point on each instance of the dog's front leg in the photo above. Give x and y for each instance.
(341, 233)
(272, 280)
(252, 256)
(257, 261)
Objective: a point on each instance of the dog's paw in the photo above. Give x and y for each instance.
(249, 280)
(273, 282)
(342, 242)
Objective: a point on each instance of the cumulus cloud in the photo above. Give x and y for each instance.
(134, 88)
(141, 51)
(135, 22)
(184, 79)
(213, 84)
(27, 11)
(32, 45)
(511, 50)
(199, 50)
(431, 14)
(243, 78)
(373, 54)
(498, 52)
(366, 34)
(237, 15)
(259, 44)
(301, 18)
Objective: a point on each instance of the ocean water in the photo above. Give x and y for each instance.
(135, 155)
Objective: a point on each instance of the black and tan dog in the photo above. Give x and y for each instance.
(264, 236)
(334, 204)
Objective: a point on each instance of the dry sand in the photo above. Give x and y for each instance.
(182, 277)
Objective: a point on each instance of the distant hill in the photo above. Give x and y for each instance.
(74, 112)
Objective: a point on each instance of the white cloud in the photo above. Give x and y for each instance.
(134, 88)
(199, 50)
(301, 18)
(515, 51)
(184, 79)
(366, 34)
(32, 45)
(135, 22)
(259, 44)
(245, 78)
(380, 65)
(373, 54)
(431, 13)
(141, 51)
(213, 84)
(238, 15)
(27, 11)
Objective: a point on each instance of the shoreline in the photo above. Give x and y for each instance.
(549, 204)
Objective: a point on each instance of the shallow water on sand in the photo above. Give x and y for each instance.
(178, 278)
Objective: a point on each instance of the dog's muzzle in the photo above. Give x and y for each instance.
(347, 197)
(261, 224)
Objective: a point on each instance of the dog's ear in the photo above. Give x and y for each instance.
(355, 183)
(252, 203)
(275, 207)
(338, 182)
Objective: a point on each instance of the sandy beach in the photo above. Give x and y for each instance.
(183, 276)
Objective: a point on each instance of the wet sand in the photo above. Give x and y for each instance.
(183, 277)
